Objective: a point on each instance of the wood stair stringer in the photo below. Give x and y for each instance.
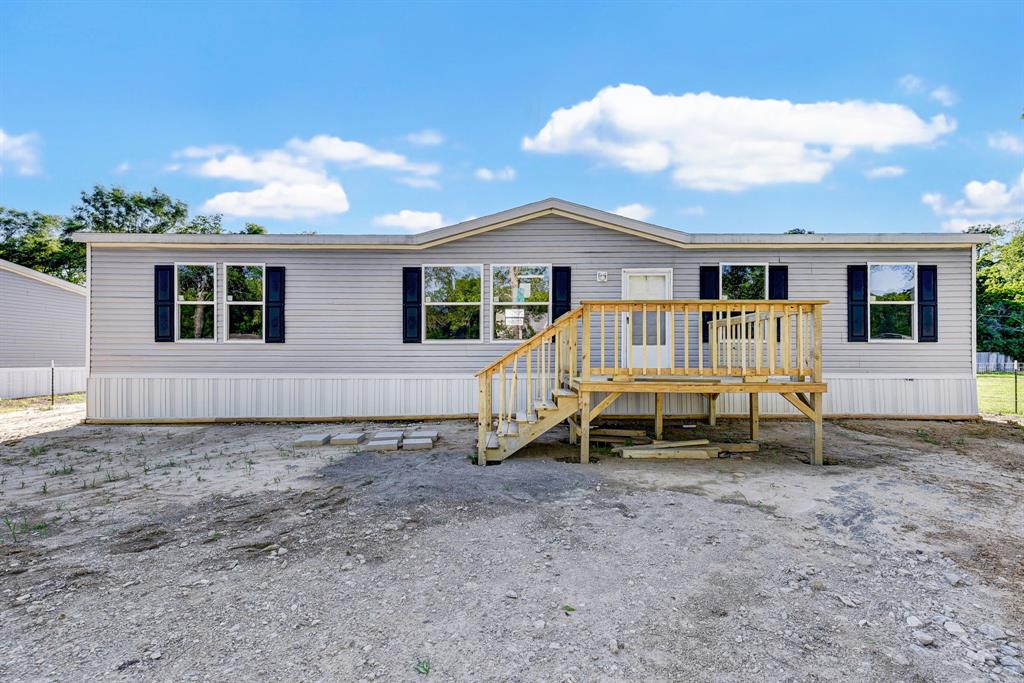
(547, 419)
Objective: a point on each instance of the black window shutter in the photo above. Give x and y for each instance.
(273, 298)
(778, 282)
(778, 289)
(163, 303)
(927, 304)
(708, 290)
(857, 303)
(561, 291)
(412, 305)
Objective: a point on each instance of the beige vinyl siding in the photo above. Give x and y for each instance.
(343, 310)
(40, 323)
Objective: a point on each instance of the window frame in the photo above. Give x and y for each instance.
(721, 290)
(261, 304)
(912, 303)
(425, 303)
(178, 304)
(495, 304)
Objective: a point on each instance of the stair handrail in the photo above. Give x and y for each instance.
(562, 320)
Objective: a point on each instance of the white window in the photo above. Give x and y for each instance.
(195, 302)
(892, 298)
(743, 280)
(452, 303)
(243, 297)
(520, 301)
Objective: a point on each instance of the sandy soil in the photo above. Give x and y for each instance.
(222, 553)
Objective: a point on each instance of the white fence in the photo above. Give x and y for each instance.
(989, 361)
(25, 382)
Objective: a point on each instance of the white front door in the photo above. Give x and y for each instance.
(646, 284)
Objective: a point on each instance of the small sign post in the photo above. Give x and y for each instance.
(53, 386)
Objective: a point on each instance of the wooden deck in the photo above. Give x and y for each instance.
(658, 347)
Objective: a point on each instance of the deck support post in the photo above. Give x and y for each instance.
(755, 416)
(584, 427)
(483, 425)
(712, 409)
(817, 456)
(574, 432)
(659, 415)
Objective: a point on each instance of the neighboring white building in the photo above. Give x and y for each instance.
(42, 321)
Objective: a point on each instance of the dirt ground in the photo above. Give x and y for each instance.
(222, 553)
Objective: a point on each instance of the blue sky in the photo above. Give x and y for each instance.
(393, 117)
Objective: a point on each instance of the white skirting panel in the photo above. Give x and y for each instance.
(145, 397)
(25, 382)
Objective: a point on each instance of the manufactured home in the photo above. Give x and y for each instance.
(42, 333)
(538, 315)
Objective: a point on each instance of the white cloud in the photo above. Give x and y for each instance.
(692, 211)
(885, 172)
(420, 182)
(200, 152)
(357, 154)
(911, 83)
(296, 181)
(1007, 142)
(425, 138)
(943, 95)
(282, 200)
(19, 152)
(728, 143)
(123, 167)
(982, 202)
(413, 221)
(501, 174)
(636, 211)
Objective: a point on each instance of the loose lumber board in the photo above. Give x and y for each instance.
(670, 453)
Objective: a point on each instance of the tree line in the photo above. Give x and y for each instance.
(43, 241)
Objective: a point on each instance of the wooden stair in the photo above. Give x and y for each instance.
(506, 439)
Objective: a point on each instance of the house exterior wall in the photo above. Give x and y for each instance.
(40, 323)
(344, 326)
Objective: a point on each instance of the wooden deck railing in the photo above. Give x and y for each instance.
(621, 340)
(701, 338)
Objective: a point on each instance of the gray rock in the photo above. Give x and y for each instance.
(308, 440)
(614, 646)
(512, 595)
(539, 625)
(348, 438)
(954, 628)
(992, 631)
(924, 638)
(953, 579)
(913, 622)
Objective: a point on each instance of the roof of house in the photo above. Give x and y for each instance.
(519, 214)
(41, 277)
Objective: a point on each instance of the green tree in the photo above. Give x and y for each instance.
(118, 210)
(1000, 289)
(35, 240)
(43, 241)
